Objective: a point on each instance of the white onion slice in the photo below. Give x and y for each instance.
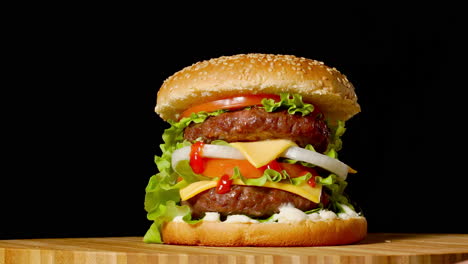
(295, 153)
(222, 152)
(179, 155)
(323, 161)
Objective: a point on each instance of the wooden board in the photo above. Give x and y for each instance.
(376, 248)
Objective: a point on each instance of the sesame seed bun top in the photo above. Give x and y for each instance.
(245, 74)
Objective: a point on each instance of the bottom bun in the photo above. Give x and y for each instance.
(306, 233)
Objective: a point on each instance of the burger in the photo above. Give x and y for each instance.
(251, 155)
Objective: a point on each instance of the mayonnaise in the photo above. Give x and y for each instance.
(211, 217)
(288, 214)
(240, 219)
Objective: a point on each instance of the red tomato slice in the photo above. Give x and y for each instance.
(273, 165)
(297, 170)
(230, 103)
(219, 167)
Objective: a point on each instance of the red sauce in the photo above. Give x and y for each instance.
(311, 181)
(196, 157)
(224, 184)
(274, 165)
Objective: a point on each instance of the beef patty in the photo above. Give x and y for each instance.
(253, 201)
(256, 124)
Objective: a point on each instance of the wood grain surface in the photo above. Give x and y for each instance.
(376, 248)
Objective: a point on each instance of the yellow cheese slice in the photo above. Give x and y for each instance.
(195, 188)
(260, 153)
(303, 190)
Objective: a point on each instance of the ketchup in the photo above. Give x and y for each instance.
(196, 157)
(311, 181)
(273, 165)
(224, 184)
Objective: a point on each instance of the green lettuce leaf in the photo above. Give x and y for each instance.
(335, 186)
(266, 220)
(316, 210)
(185, 171)
(336, 144)
(153, 235)
(300, 180)
(156, 195)
(293, 103)
(163, 187)
(165, 213)
(256, 181)
(268, 175)
(275, 176)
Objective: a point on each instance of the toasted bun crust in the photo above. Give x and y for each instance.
(258, 74)
(306, 233)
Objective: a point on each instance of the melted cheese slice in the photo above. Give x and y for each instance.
(260, 153)
(303, 190)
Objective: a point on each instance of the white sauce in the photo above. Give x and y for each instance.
(315, 217)
(327, 215)
(239, 219)
(349, 213)
(287, 214)
(211, 217)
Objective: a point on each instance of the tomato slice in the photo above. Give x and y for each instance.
(273, 165)
(297, 170)
(219, 167)
(230, 103)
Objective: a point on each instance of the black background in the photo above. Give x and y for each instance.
(81, 132)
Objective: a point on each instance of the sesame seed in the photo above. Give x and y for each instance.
(247, 64)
